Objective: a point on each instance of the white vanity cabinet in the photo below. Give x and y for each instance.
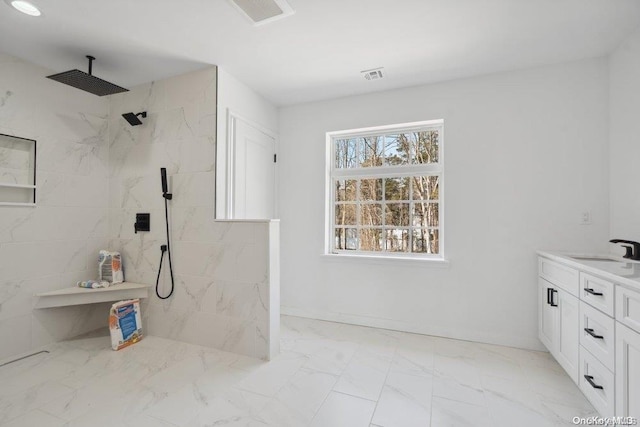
(627, 353)
(559, 320)
(627, 372)
(597, 383)
(589, 320)
(628, 307)
(597, 334)
(547, 315)
(568, 340)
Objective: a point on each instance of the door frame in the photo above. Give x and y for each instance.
(232, 120)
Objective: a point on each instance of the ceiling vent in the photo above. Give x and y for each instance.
(374, 74)
(263, 11)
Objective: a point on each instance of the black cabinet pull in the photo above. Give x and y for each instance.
(593, 334)
(549, 296)
(589, 379)
(551, 303)
(592, 292)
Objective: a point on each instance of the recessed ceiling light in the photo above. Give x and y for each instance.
(26, 7)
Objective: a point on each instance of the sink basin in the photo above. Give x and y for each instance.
(595, 258)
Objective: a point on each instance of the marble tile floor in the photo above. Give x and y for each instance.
(328, 374)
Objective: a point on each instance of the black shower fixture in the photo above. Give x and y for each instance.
(165, 248)
(133, 118)
(87, 81)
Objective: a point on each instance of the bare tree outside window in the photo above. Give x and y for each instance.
(386, 196)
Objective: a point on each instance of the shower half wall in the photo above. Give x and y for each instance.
(226, 272)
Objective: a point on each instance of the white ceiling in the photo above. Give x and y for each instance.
(318, 52)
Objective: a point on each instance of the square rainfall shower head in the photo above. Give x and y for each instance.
(87, 82)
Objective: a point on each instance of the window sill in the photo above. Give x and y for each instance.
(380, 260)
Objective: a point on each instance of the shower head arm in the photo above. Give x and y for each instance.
(133, 118)
(91, 59)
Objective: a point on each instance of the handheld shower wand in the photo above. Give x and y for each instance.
(163, 178)
(165, 248)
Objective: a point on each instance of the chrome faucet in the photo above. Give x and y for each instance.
(632, 252)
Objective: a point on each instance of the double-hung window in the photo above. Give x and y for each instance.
(385, 191)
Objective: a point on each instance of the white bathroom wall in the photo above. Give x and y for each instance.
(56, 243)
(221, 269)
(624, 136)
(237, 98)
(526, 153)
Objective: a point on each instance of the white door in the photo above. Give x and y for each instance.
(253, 187)
(627, 372)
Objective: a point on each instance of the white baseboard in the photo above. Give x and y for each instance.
(395, 325)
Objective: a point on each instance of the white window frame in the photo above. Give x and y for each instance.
(384, 171)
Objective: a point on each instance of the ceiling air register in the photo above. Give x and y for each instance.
(263, 11)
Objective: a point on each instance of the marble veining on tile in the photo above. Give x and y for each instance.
(221, 270)
(328, 374)
(48, 247)
(222, 290)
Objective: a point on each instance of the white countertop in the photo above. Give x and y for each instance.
(622, 271)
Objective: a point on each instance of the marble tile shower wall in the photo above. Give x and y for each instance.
(221, 269)
(54, 244)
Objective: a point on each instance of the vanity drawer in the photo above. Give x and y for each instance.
(628, 307)
(560, 275)
(597, 383)
(597, 292)
(597, 334)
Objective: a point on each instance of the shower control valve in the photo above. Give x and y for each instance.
(143, 222)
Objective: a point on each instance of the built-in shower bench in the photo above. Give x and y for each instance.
(79, 296)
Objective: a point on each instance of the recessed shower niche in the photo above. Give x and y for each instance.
(17, 171)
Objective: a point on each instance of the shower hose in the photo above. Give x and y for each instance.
(163, 249)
